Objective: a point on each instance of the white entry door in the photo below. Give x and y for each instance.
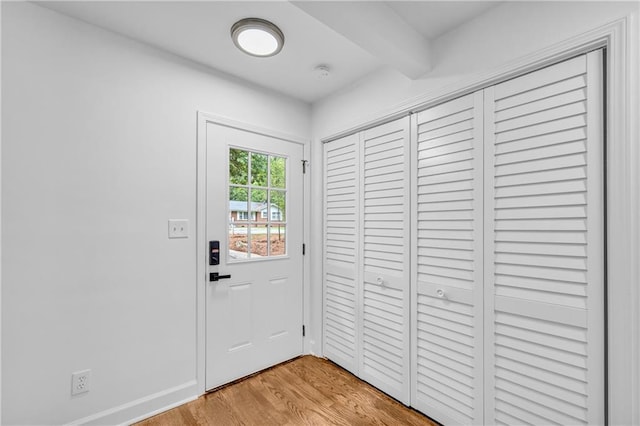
(254, 211)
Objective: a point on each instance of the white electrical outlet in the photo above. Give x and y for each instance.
(178, 228)
(80, 381)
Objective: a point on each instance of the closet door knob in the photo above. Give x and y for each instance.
(440, 293)
(380, 281)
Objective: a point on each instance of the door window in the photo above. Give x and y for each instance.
(257, 205)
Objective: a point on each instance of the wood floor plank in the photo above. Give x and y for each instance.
(305, 391)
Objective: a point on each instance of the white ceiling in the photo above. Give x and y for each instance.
(434, 18)
(352, 38)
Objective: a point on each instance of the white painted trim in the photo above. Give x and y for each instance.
(224, 121)
(621, 39)
(407, 302)
(413, 259)
(622, 223)
(633, 56)
(322, 245)
(151, 405)
(488, 226)
(359, 257)
(316, 244)
(160, 410)
(201, 260)
(0, 222)
(479, 309)
(201, 233)
(596, 307)
(307, 342)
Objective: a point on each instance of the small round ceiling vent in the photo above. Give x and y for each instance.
(322, 72)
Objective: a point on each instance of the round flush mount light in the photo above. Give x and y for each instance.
(257, 37)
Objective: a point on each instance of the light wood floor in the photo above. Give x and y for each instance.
(305, 391)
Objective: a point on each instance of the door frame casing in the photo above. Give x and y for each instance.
(620, 39)
(203, 119)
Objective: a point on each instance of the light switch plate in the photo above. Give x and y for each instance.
(178, 228)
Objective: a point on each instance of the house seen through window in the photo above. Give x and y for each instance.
(257, 205)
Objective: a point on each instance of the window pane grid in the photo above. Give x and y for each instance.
(257, 189)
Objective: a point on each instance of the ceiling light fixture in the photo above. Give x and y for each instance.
(257, 37)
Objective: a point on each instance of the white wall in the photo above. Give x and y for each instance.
(98, 152)
(501, 35)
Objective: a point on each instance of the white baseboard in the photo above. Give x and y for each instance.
(143, 408)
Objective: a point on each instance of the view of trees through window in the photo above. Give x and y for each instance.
(257, 204)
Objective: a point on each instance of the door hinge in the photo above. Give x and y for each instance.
(304, 249)
(303, 331)
(304, 166)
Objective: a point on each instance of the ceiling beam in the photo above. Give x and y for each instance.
(376, 28)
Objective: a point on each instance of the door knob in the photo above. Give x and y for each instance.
(380, 281)
(440, 293)
(214, 276)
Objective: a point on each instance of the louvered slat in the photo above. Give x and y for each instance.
(341, 252)
(447, 310)
(544, 238)
(385, 258)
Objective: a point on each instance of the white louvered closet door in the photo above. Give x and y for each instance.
(544, 275)
(385, 258)
(447, 311)
(341, 246)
